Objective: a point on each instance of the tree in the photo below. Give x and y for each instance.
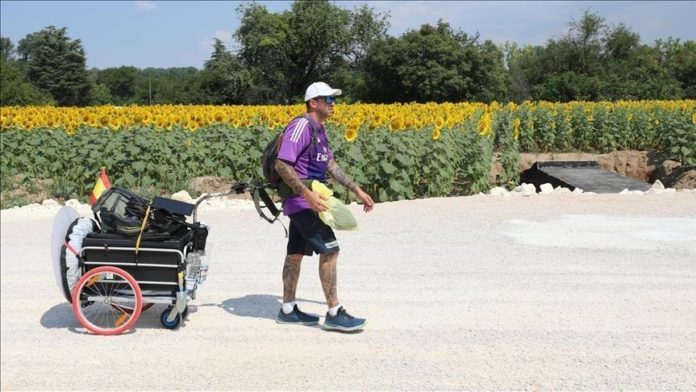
(585, 41)
(179, 85)
(680, 59)
(56, 63)
(518, 88)
(434, 63)
(14, 88)
(633, 71)
(566, 68)
(120, 83)
(7, 51)
(224, 80)
(591, 62)
(312, 41)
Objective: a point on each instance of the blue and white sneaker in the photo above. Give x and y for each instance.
(296, 317)
(342, 321)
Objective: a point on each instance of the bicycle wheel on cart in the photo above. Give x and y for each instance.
(107, 300)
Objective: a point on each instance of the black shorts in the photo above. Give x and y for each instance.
(308, 234)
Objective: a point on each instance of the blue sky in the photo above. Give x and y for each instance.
(180, 33)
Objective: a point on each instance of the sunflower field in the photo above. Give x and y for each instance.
(396, 151)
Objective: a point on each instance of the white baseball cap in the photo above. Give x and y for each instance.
(320, 89)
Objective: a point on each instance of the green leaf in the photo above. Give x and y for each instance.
(387, 167)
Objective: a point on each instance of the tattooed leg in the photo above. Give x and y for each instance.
(327, 273)
(291, 273)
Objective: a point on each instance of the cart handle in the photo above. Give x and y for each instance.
(258, 194)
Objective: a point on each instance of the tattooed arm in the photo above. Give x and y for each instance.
(341, 177)
(344, 179)
(289, 175)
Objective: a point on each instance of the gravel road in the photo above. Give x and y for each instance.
(564, 291)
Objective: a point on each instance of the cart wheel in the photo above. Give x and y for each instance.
(107, 301)
(169, 324)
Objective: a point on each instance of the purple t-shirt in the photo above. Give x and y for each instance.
(310, 160)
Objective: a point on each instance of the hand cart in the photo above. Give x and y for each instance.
(120, 279)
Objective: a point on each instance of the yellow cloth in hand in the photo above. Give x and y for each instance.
(337, 215)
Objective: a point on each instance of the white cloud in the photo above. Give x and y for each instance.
(145, 5)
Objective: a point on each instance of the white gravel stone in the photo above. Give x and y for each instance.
(657, 185)
(182, 196)
(655, 191)
(74, 203)
(561, 189)
(498, 191)
(50, 203)
(578, 190)
(546, 188)
(525, 189)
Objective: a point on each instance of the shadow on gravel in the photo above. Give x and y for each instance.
(61, 316)
(257, 305)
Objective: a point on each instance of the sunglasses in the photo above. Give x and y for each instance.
(329, 100)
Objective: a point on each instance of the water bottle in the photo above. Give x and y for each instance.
(193, 261)
(205, 260)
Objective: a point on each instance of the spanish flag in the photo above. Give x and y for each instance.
(103, 183)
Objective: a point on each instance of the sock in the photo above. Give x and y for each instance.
(334, 310)
(288, 307)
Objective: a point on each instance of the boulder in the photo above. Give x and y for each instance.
(657, 185)
(182, 196)
(50, 203)
(74, 203)
(546, 189)
(498, 191)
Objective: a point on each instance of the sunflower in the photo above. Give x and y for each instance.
(396, 123)
(436, 133)
(351, 134)
(115, 123)
(104, 121)
(516, 128)
(484, 124)
(218, 117)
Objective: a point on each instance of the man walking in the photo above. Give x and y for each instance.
(305, 155)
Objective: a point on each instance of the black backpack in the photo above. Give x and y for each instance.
(121, 211)
(270, 153)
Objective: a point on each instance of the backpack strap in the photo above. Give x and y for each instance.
(260, 195)
(315, 131)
